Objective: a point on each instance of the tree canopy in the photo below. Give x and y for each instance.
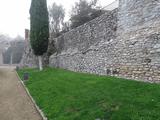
(56, 14)
(84, 11)
(39, 33)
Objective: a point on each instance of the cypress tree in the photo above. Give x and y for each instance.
(39, 25)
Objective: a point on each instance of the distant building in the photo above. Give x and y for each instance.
(3, 45)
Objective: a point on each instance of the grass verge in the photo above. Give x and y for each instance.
(66, 95)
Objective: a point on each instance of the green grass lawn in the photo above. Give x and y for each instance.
(65, 95)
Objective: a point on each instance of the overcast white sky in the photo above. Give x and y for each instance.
(14, 14)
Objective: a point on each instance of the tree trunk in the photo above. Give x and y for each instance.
(40, 63)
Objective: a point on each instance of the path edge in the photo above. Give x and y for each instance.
(33, 101)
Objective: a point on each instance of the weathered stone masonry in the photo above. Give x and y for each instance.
(139, 39)
(84, 49)
(28, 58)
(123, 42)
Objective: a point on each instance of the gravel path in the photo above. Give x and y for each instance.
(15, 104)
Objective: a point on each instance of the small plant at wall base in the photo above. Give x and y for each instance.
(39, 23)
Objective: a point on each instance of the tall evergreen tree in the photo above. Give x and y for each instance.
(39, 23)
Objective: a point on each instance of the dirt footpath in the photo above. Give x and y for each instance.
(15, 104)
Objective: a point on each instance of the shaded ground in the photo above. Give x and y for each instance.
(15, 104)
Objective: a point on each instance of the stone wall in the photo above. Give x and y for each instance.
(90, 47)
(81, 38)
(139, 39)
(126, 44)
(28, 58)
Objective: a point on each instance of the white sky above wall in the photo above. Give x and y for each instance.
(14, 14)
